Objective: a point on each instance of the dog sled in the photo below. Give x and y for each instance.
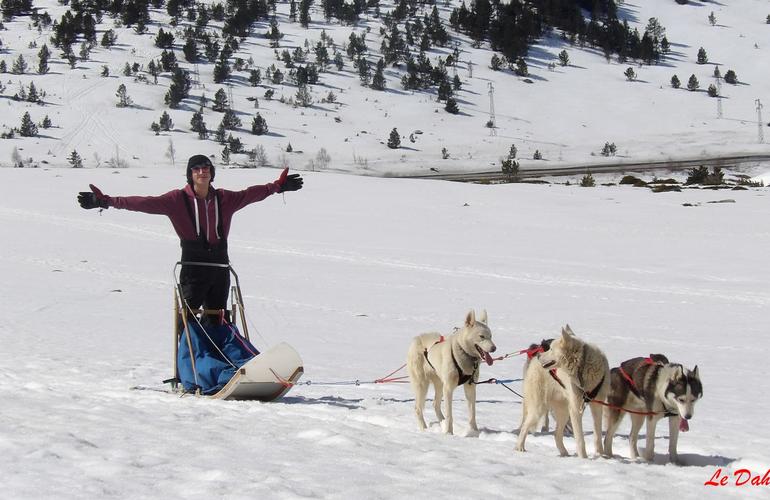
(214, 359)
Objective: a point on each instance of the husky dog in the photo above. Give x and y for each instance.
(532, 352)
(448, 362)
(565, 377)
(655, 386)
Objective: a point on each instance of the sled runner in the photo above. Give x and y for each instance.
(212, 358)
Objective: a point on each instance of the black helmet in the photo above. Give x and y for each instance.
(199, 161)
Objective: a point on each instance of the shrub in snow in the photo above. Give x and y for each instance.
(588, 180)
(702, 57)
(75, 160)
(692, 83)
(394, 140)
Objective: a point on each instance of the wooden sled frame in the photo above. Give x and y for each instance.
(244, 384)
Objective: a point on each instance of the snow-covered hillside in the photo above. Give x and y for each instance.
(567, 113)
(348, 270)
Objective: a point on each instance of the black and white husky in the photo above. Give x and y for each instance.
(654, 388)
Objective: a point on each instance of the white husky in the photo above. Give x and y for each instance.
(447, 362)
(657, 388)
(579, 373)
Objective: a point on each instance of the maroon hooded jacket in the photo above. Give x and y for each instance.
(213, 220)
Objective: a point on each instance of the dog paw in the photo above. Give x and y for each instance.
(520, 448)
(473, 433)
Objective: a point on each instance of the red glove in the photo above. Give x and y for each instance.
(282, 178)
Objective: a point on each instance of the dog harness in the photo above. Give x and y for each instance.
(648, 361)
(629, 378)
(462, 378)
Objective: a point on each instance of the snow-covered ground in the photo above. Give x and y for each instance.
(566, 113)
(347, 271)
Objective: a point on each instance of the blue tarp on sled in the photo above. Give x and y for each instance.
(214, 371)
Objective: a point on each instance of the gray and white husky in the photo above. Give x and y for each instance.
(655, 386)
(565, 377)
(448, 362)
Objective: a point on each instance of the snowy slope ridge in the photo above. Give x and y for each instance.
(348, 270)
(566, 113)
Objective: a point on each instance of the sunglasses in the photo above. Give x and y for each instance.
(202, 168)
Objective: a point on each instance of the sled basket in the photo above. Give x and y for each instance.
(213, 359)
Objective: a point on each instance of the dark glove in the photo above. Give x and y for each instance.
(93, 199)
(286, 182)
(293, 182)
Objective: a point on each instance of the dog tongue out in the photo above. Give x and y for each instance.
(683, 425)
(488, 358)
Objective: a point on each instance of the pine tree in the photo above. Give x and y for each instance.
(378, 80)
(712, 91)
(259, 125)
(220, 135)
(563, 58)
(303, 97)
(630, 74)
(588, 180)
(731, 77)
(230, 120)
(235, 144)
(495, 63)
(226, 154)
(19, 65)
(198, 125)
(123, 99)
(675, 82)
(155, 128)
(394, 140)
(712, 19)
(32, 94)
(105, 71)
(154, 70)
(222, 70)
(451, 106)
(179, 88)
(220, 103)
(166, 124)
(28, 127)
(255, 77)
(692, 83)
(46, 122)
(75, 160)
(702, 57)
(44, 54)
(190, 50)
(304, 12)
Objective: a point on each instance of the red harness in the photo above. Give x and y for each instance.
(629, 378)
